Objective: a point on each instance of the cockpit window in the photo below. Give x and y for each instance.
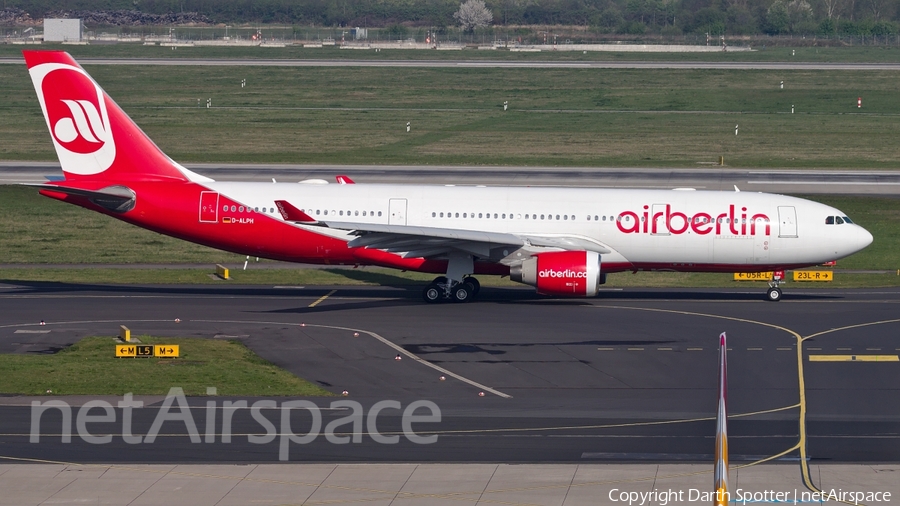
(837, 220)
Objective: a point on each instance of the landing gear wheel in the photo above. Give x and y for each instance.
(432, 293)
(476, 286)
(462, 292)
(773, 294)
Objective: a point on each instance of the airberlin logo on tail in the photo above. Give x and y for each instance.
(663, 220)
(75, 110)
(77, 132)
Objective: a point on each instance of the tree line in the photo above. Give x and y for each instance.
(634, 17)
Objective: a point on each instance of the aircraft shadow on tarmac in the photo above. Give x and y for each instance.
(363, 297)
(496, 348)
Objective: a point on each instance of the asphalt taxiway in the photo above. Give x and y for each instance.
(533, 64)
(718, 178)
(628, 376)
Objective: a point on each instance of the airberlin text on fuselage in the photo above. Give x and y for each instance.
(662, 222)
(568, 273)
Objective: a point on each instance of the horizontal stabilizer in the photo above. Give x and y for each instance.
(119, 199)
(291, 213)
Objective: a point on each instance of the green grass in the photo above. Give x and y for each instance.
(90, 367)
(36, 230)
(565, 117)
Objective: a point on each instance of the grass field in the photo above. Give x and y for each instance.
(38, 230)
(90, 367)
(574, 117)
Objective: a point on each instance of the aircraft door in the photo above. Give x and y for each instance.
(787, 221)
(209, 207)
(397, 212)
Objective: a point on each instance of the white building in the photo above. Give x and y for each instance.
(62, 30)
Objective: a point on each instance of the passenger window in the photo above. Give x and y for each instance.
(442, 215)
(479, 215)
(557, 216)
(433, 215)
(379, 213)
(317, 211)
(838, 220)
(342, 213)
(526, 216)
(829, 220)
(504, 216)
(364, 213)
(565, 216)
(542, 216)
(464, 215)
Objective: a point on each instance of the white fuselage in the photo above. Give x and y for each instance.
(646, 229)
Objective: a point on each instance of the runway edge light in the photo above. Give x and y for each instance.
(720, 472)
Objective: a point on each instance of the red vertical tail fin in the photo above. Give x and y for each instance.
(93, 137)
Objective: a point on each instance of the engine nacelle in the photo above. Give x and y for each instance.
(566, 273)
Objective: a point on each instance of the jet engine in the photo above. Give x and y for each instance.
(566, 273)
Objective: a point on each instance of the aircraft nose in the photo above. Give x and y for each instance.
(864, 238)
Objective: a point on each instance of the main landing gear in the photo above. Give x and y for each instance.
(442, 289)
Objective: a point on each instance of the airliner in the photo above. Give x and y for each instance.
(562, 241)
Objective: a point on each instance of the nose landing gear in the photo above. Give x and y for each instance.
(773, 294)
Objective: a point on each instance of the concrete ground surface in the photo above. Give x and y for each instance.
(423, 484)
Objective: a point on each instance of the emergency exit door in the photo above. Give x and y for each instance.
(787, 221)
(397, 212)
(209, 207)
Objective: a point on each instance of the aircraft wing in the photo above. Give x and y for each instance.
(414, 241)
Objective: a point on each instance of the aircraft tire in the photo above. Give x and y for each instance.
(773, 294)
(432, 293)
(462, 293)
(476, 286)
